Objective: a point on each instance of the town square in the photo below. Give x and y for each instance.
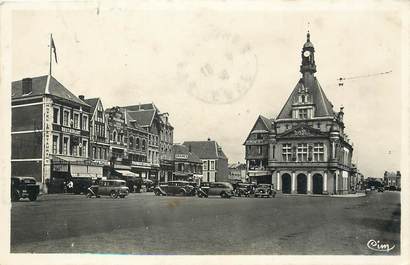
(199, 130)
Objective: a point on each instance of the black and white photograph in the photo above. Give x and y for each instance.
(208, 132)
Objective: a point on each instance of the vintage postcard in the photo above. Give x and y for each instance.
(206, 132)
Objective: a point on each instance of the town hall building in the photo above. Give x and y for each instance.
(305, 148)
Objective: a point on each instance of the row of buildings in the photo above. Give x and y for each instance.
(57, 135)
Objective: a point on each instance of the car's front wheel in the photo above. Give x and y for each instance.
(181, 193)
(32, 197)
(113, 194)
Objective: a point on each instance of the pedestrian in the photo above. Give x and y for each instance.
(70, 186)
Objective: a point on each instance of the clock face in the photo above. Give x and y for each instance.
(306, 53)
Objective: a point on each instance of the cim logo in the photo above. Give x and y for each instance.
(378, 246)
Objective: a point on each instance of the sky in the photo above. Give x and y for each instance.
(214, 70)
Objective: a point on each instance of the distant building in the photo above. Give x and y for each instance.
(237, 172)
(50, 133)
(305, 149)
(160, 139)
(392, 180)
(99, 140)
(215, 162)
(187, 165)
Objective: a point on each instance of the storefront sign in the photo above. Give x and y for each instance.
(181, 156)
(70, 130)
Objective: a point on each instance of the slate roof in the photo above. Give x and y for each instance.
(92, 102)
(267, 122)
(142, 117)
(39, 87)
(146, 106)
(206, 149)
(323, 106)
(182, 149)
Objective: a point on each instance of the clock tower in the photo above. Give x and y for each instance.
(308, 57)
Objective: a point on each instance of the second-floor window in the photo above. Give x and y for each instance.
(76, 120)
(318, 152)
(302, 152)
(205, 165)
(131, 140)
(212, 165)
(56, 115)
(66, 118)
(85, 123)
(286, 152)
(143, 144)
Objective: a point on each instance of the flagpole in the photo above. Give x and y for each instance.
(51, 37)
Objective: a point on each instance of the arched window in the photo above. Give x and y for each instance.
(131, 142)
(303, 98)
(143, 144)
(114, 136)
(137, 145)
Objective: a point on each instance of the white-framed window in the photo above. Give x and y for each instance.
(318, 152)
(66, 145)
(205, 165)
(66, 117)
(85, 122)
(286, 152)
(94, 152)
(303, 113)
(56, 115)
(212, 165)
(56, 145)
(302, 152)
(85, 148)
(76, 120)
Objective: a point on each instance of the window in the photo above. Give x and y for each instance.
(99, 114)
(286, 152)
(259, 150)
(75, 150)
(143, 145)
(318, 125)
(56, 115)
(212, 165)
(99, 153)
(205, 165)
(105, 154)
(318, 152)
(66, 118)
(258, 136)
(76, 120)
(303, 114)
(114, 136)
(85, 122)
(55, 144)
(85, 148)
(131, 142)
(65, 145)
(302, 152)
(93, 154)
(137, 143)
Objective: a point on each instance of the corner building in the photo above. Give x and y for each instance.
(305, 149)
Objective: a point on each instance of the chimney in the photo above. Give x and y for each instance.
(190, 148)
(81, 97)
(27, 85)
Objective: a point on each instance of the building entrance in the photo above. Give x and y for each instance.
(286, 183)
(317, 184)
(302, 184)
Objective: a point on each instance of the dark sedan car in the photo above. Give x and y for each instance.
(243, 189)
(264, 190)
(223, 189)
(24, 187)
(181, 188)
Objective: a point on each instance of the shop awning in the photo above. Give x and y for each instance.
(127, 173)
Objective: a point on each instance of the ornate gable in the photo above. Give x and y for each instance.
(302, 131)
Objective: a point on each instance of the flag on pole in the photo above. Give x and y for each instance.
(53, 47)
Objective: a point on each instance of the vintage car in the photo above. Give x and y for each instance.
(81, 184)
(112, 187)
(181, 188)
(264, 190)
(244, 189)
(24, 187)
(223, 189)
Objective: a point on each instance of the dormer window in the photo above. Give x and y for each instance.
(303, 114)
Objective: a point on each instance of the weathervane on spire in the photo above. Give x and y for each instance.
(308, 33)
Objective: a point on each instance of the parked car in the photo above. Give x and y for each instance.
(182, 188)
(243, 189)
(223, 189)
(264, 190)
(110, 187)
(380, 189)
(81, 184)
(24, 187)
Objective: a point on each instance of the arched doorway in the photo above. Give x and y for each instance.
(302, 184)
(286, 183)
(317, 184)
